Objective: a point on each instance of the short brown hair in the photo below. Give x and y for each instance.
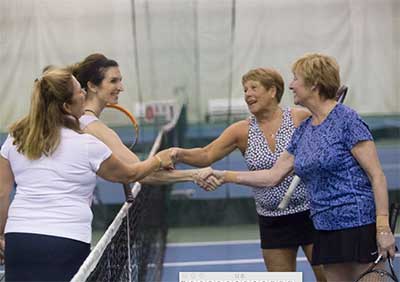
(319, 70)
(268, 77)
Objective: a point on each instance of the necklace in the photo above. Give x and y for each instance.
(91, 111)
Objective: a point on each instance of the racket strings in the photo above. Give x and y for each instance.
(377, 275)
(127, 188)
(132, 120)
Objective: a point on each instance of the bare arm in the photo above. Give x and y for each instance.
(170, 176)
(113, 169)
(260, 178)
(6, 185)
(365, 154)
(232, 138)
(112, 140)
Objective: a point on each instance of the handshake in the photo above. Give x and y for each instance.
(207, 178)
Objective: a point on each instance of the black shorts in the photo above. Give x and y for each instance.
(37, 257)
(293, 230)
(356, 244)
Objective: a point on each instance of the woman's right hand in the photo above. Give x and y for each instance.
(164, 157)
(386, 242)
(205, 178)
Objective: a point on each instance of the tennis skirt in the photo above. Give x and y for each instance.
(287, 231)
(36, 257)
(356, 244)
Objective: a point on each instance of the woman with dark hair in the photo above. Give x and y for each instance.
(45, 233)
(101, 78)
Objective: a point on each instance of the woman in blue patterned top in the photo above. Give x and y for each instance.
(261, 139)
(334, 154)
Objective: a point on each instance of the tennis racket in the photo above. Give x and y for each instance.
(132, 120)
(373, 274)
(127, 187)
(340, 96)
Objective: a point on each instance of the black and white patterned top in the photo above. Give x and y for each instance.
(259, 156)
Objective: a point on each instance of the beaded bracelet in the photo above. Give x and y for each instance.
(383, 233)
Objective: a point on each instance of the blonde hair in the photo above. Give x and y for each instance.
(268, 78)
(38, 133)
(319, 70)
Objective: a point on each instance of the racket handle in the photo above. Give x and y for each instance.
(128, 193)
(286, 199)
(341, 94)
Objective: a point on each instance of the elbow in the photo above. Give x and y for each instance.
(379, 180)
(273, 183)
(273, 180)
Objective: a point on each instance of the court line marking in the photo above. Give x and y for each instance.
(224, 262)
(213, 243)
(217, 243)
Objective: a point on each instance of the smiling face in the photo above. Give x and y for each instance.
(110, 87)
(299, 88)
(257, 97)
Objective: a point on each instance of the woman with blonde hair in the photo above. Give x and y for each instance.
(334, 154)
(45, 232)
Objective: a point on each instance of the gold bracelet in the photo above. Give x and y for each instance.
(382, 220)
(159, 162)
(230, 176)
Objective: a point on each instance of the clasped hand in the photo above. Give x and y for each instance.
(208, 178)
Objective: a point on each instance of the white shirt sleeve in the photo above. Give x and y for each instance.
(5, 148)
(97, 152)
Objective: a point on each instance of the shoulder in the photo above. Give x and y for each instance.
(346, 115)
(85, 120)
(243, 124)
(238, 129)
(347, 111)
(98, 129)
(5, 147)
(299, 115)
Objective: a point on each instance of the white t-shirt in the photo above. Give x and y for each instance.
(54, 193)
(85, 120)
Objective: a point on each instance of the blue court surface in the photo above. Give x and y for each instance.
(228, 256)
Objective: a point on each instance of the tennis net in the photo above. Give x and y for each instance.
(132, 248)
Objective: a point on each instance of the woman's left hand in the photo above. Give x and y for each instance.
(386, 242)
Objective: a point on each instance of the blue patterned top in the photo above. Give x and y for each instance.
(259, 156)
(340, 192)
